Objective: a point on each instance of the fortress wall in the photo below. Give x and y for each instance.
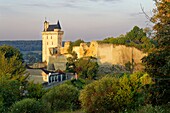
(64, 50)
(104, 53)
(92, 50)
(77, 50)
(118, 54)
(110, 53)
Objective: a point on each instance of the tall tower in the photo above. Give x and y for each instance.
(51, 38)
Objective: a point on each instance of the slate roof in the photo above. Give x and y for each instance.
(35, 75)
(54, 26)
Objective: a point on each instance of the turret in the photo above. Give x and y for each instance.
(46, 25)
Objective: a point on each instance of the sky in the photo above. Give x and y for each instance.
(80, 19)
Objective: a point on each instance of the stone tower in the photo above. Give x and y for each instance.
(51, 40)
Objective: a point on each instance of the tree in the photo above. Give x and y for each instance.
(12, 68)
(10, 51)
(61, 98)
(157, 63)
(70, 65)
(78, 42)
(10, 92)
(29, 106)
(136, 34)
(135, 38)
(11, 63)
(78, 83)
(35, 91)
(86, 68)
(112, 95)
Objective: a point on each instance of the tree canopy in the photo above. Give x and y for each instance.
(136, 38)
(86, 67)
(157, 63)
(10, 51)
(11, 64)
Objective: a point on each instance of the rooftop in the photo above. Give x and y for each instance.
(54, 26)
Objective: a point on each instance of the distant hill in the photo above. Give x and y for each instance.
(24, 45)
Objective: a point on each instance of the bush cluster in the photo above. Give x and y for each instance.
(61, 98)
(112, 94)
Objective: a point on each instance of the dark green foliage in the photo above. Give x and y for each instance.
(136, 35)
(151, 109)
(35, 91)
(130, 66)
(79, 83)
(111, 94)
(1, 104)
(10, 92)
(10, 52)
(62, 98)
(157, 63)
(135, 38)
(160, 91)
(29, 106)
(86, 68)
(70, 65)
(12, 68)
(11, 64)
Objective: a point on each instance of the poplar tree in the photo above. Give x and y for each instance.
(157, 63)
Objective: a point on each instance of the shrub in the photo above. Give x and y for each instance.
(79, 83)
(98, 96)
(29, 106)
(62, 97)
(35, 90)
(9, 92)
(114, 94)
(1, 104)
(150, 109)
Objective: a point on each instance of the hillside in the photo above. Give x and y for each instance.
(24, 45)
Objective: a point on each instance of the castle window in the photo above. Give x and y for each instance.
(47, 37)
(51, 37)
(52, 43)
(47, 43)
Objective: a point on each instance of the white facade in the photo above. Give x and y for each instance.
(51, 39)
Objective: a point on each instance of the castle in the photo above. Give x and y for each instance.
(56, 56)
(51, 40)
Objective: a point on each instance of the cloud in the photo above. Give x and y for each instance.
(65, 3)
(36, 5)
(52, 5)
